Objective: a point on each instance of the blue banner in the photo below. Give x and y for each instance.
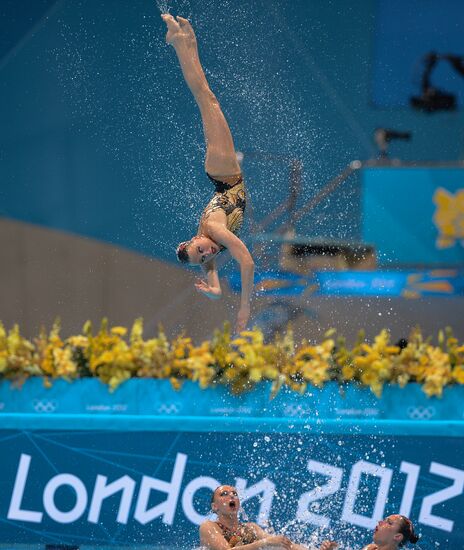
(77, 485)
(405, 284)
(146, 397)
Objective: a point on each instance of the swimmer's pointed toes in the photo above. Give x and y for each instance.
(187, 29)
(184, 23)
(170, 21)
(173, 27)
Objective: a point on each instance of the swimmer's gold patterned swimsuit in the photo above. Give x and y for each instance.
(244, 534)
(231, 198)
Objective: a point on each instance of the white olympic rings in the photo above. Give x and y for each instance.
(44, 405)
(421, 412)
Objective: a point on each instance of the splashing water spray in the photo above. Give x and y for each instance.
(163, 6)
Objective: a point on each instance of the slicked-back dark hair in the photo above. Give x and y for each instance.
(407, 530)
(182, 252)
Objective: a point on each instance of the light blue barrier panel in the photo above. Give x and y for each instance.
(157, 397)
(87, 396)
(330, 470)
(137, 396)
(8, 398)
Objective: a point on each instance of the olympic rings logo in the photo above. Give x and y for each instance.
(44, 405)
(421, 413)
(296, 410)
(165, 408)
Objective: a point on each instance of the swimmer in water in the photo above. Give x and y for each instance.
(227, 531)
(391, 533)
(223, 216)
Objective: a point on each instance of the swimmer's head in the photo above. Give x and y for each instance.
(395, 530)
(225, 500)
(182, 252)
(197, 251)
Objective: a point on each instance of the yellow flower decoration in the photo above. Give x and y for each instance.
(449, 217)
(116, 354)
(458, 374)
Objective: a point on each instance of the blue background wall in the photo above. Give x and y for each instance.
(99, 134)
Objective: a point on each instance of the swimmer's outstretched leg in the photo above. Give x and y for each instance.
(221, 160)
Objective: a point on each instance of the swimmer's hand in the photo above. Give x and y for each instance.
(213, 293)
(242, 319)
(328, 545)
(278, 540)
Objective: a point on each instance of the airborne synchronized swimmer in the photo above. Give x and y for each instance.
(223, 216)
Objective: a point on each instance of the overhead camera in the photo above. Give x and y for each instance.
(383, 136)
(432, 99)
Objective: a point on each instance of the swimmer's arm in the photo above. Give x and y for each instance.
(240, 253)
(262, 535)
(259, 531)
(268, 541)
(329, 545)
(211, 287)
(212, 538)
